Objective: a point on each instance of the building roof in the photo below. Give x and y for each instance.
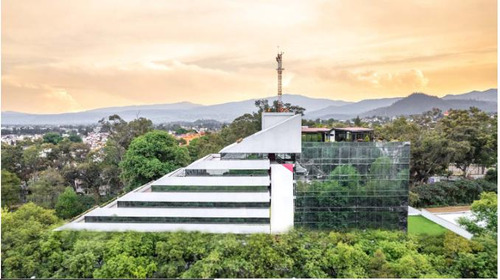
(353, 129)
(306, 129)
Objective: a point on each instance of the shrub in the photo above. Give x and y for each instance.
(461, 192)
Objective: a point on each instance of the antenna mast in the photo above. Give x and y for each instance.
(280, 71)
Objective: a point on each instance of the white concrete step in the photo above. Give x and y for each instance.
(144, 227)
(213, 181)
(198, 197)
(182, 212)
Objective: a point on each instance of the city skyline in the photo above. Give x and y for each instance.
(74, 56)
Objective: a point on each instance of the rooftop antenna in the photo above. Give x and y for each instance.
(280, 71)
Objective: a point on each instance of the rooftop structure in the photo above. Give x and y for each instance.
(337, 134)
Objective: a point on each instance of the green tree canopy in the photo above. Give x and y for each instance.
(69, 204)
(22, 231)
(346, 175)
(474, 135)
(52, 137)
(151, 156)
(484, 215)
(46, 187)
(75, 138)
(11, 189)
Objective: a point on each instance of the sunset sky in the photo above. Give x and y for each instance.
(63, 56)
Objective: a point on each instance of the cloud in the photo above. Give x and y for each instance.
(98, 53)
(42, 97)
(410, 80)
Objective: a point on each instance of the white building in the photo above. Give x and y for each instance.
(246, 188)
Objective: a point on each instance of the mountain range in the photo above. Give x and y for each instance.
(315, 108)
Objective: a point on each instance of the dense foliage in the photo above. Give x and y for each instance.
(11, 189)
(41, 170)
(462, 192)
(30, 248)
(484, 219)
(462, 138)
(151, 156)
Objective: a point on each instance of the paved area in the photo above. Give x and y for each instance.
(449, 209)
(453, 217)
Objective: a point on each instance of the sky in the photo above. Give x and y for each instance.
(67, 56)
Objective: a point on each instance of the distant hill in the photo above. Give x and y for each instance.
(183, 111)
(418, 103)
(487, 95)
(345, 111)
(168, 106)
(226, 112)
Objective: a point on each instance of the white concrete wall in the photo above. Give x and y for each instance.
(271, 119)
(446, 224)
(281, 199)
(283, 137)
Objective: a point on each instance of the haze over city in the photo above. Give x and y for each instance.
(66, 56)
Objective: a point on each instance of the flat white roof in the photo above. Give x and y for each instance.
(182, 212)
(198, 197)
(213, 181)
(146, 227)
(216, 163)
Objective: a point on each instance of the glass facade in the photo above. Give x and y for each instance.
(344, 185)
(226, 172)
(160, 188)
(184, 204)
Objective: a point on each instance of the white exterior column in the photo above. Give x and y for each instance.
(281, 198)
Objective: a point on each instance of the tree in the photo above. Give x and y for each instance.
(12, 158)
(11, 189)
(208, 144)
(474, 135)
(52, 137)
(151, 156)
(125, 266)
(484, 216)
(346, 175)
(241, 127)
(379, 267)
(122, 132)
(75, 138)
(263, 105)
(357, 121)
(89, 174)
(45, 188)
(400, 130)
(431, 153)
(69, 204)
(21, 234)
(347, 261)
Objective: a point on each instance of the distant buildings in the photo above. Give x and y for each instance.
(96, 140)
(12, 139)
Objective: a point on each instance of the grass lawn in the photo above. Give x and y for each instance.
(420, 225)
